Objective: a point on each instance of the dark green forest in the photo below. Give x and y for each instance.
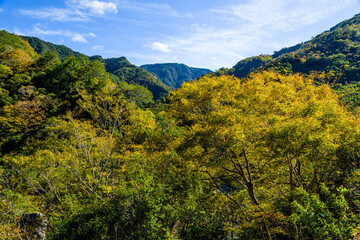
(127, 72)
(174, 74)
(94, 148)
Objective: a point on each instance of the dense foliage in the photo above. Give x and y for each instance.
(120, 68)
(248, 65)
(42, 47)
(274, 155)
(174, 74)
(132, 74)
(264, 139)
(10, 42)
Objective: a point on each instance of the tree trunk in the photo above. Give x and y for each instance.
(250, 189)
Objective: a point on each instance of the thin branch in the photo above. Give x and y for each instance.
(227, 195)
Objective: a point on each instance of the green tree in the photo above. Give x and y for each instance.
(65, 79)
(323, 216)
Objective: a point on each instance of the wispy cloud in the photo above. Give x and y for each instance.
(17, 31)
(286, 14)
(57, 14)
(76, 10)
(75, 37)
(229, 34)
(150, 7)
(97, 48)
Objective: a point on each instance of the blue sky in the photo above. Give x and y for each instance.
(199, 33)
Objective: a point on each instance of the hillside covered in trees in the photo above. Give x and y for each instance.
(42, 47)
(158, 78)
(120, 68)
(335, 53)
(127, 72)
(174, 74)
(266, 150)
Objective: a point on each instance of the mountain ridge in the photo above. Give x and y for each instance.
(174, 74)
(160, 87)
(42, 47)
(120, 68)
(335, 52)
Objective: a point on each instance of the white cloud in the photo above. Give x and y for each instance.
(57, 14)
(78, 38)
(98, 48)
(94, 6)
(76, 10)
(161, 47)
(84, 10)
(92, 34)
(287, 14)
(38, 31)
(75, 37)
(150, 8)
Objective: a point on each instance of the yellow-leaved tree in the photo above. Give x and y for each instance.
(259, 138)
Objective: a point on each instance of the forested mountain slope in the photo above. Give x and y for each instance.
(334, 55)
(16, 56)
(10, 43)
(174, 74)
(120, 67)
(171, 75)
(132, 74)
(42, 47)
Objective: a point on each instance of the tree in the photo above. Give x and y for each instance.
(74, 73)
(265, 135)
(110, 110)
(323, 216)
(136, 94)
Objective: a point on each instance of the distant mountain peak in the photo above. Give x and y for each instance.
(174, 74)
